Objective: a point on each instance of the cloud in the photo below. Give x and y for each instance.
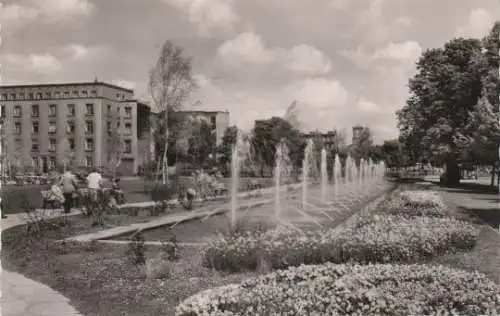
(39, 63)
(124, 83)
(364, 105)
(209, 16)
(402, 54)
(479, 23)
(249, 48)
(78, 52)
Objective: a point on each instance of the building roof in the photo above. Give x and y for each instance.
(89, 83)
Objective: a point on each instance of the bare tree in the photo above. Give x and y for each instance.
(65, 153)
(170, 83)
(115, 145)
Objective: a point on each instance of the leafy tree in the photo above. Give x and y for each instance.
(394, 154)
(376, 153)
(442, 94)
(201, 142)
(267, 134)
(292, 115)
(360, 149)
(227, 142)
(170, 83)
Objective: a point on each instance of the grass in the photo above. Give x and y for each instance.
(88, 273)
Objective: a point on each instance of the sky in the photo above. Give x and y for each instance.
(344, 62)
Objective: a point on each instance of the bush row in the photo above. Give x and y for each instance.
(412, 203)
(332, 289)
(381, 238)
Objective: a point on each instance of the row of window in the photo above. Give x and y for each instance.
(89, 145)
(35, 110)
(70, 127)
(53, 95)
(37, 162)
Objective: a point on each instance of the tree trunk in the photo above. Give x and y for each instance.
(493, 169)
(165, 160)
(452, 173)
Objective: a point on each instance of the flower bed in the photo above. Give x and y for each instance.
(352, 290)
(417, 203)
(386, 238)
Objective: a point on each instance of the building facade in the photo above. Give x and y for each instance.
(328, 138)
(219, 120)
(49, 124)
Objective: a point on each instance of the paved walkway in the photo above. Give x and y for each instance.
(24, 297)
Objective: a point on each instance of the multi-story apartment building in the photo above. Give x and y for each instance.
(328, 138)
(46, 123)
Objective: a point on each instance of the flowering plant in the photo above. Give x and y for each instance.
(331, 289)
(385, 238)
(417, 203)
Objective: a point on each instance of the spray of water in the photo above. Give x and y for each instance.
(337, 170)
(235, 176)
(305, 170)
(324, 176)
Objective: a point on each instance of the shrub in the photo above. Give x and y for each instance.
(392, 238)
(136, 251)
(417, 203)
(378, 239)
(331, 289)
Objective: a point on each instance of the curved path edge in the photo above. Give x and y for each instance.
(25, 297)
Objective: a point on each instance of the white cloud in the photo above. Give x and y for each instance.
(38, 63)
(124, 83)
(364, 105)
(249, 48)
(209, 16)
(319, 93)
(478, 25)
(402, 54)
(403, 21)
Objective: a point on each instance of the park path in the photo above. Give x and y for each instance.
(24, 297)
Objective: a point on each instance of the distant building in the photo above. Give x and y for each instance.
(328, 138)
(356, 133)
(38, 117)
(219, 120)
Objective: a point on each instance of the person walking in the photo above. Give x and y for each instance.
(69, 185)
(94, 180)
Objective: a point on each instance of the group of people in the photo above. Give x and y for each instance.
(67, 186)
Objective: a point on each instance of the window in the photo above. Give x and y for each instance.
(75, 93)
(71, 127)
(30, 96)
(66, 94)
(89, 144)
(128, 146)
(108, 124)
(213, 121)
(34, 145)
(128, 111)
(89, 127)
(17, 111)
(19, 144)
(12, 96)
(4, 96)
(35, 162)
(71, 143)
(57, 94)
(71, 110)
(51, 162)
(90, 108)
(2, 113)
(109, 109)
(52, 127)
(85, 93)
(128, 128)
(117, 95)
(48, 95)
(39, 96)
(17, 128)
(88, 161)
(52, 110)
(94, 92)
(52, 144)
(34, 128)
(35, 110)
(21, 95)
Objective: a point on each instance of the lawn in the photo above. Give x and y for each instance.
(106, 271)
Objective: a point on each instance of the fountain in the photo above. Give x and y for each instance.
(324, 176)
(337, 169)
(235, 177)
(305, 171)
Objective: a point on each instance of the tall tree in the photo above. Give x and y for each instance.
(170, 84)
(442, 94)
(267, 134)
(227, 142)
(116, 146)
(292, 115)
(201, 143)
(360, 149)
